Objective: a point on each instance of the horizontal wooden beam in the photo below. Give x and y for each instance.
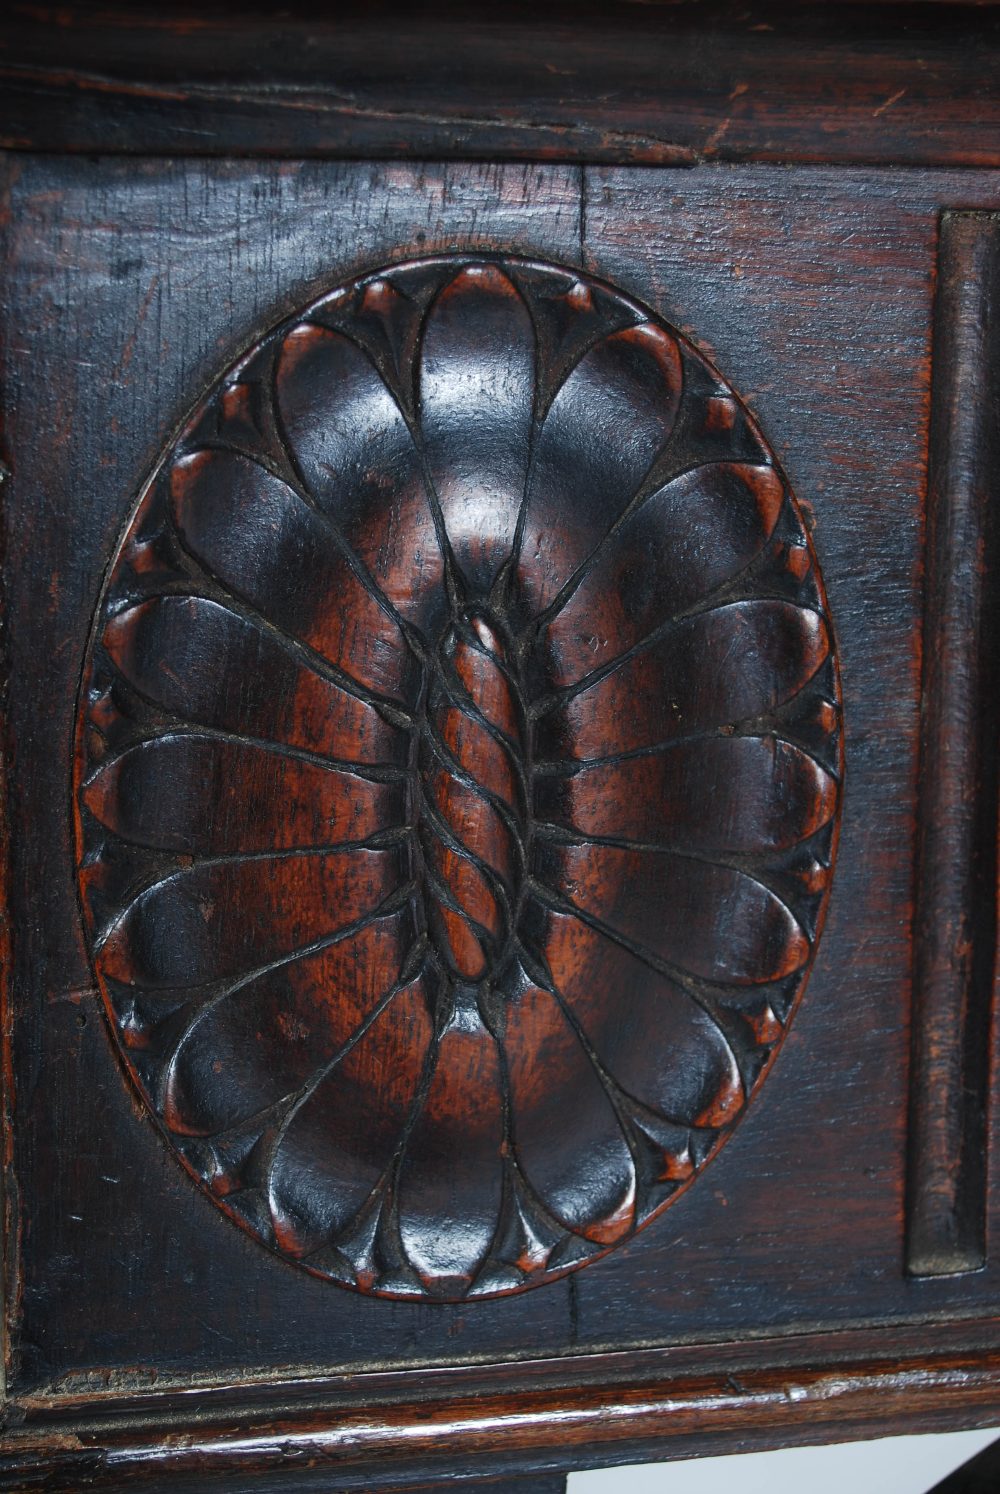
(671, 83)
(368, 1432)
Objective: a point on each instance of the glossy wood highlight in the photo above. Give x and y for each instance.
(462, 494)
(585, 1414)
(142, 1323)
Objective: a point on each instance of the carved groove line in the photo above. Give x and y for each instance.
(478, 591)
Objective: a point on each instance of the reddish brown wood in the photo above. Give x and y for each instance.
(380, 1003)
(956, 898)
(813, 1178)
(299, 1437)
(147, 1336)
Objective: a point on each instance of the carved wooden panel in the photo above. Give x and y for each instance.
(149, 1338)
(457, 777)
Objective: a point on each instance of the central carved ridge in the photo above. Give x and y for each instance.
(472, 796)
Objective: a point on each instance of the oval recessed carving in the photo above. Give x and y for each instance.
(458, 769)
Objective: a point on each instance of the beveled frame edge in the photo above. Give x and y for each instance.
(408, 1426)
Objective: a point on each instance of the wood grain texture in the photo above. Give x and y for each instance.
(667, 84)
(455, 1000)
(956, 893)
(516, 1419)
(813, 292)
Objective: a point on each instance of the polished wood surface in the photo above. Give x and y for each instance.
(955, 933)
(459, 764)
(587, 1411)
(297, 692)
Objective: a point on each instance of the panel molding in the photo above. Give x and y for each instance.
(509, 1419)
(955, 918)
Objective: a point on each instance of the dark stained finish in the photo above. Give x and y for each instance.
(455, 1019)
(311, 1437)
(148, 1342)
(955, 919)
(671, 83)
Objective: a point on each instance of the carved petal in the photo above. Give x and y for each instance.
(566, 1137)
(451, 1180)
(599, 439)
(674, 550)
(731, 795)
(342, 1139)
(231, 512)
(204, 663)
(209, 797)
(266, 1039)
(714, 669)
(477, 380)
(661, 1047)
(222, 919)
(673, 907)
(354, 449)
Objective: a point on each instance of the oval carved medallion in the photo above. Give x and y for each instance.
(458, 772)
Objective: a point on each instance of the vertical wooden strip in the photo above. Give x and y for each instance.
(955, 913)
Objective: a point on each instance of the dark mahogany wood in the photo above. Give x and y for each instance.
(591, 1412)
(458, 777)
(798, 1224)
(190, 647)
(956, 901)
(670, 83)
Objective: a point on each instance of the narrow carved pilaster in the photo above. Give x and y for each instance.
(955, 908)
